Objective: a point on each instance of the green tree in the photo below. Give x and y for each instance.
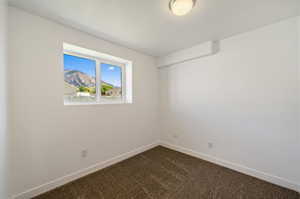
(81, 89)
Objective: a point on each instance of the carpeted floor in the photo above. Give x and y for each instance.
(161, 173)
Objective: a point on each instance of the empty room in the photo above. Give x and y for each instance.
(150, 99)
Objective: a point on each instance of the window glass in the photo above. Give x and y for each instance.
(80, 79)
(111, 81)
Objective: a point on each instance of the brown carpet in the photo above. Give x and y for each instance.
(161, 173)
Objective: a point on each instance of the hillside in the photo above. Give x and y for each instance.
(80, 79)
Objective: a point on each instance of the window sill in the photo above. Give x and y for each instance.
(95, 103)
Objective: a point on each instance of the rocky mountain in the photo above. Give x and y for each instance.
(78, 79)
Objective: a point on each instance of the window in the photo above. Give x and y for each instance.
(80, 79)
(94, 78)
(111, 80)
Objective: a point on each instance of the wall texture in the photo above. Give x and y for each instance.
(244, 100)
(3, 104)
(48, 137)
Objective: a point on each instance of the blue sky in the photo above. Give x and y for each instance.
(86, 66)
(109, 73)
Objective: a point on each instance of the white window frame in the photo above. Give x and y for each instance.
(99, 58)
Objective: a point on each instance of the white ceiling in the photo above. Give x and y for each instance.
(149, 27)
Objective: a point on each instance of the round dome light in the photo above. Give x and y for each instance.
(181, 7)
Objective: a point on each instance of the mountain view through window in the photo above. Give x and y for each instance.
(80, 79)
(111, 80)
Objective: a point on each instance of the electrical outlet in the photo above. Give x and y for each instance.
(210, 145)
(84, 153)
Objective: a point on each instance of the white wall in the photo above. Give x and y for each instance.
(3, 104)
(48, 136)
(244, 100)
(298, 37)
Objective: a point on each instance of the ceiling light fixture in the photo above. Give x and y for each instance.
(181, 7)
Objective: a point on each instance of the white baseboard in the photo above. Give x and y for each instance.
(240, 168)
(83, 172)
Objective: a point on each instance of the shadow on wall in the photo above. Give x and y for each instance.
(3, 105)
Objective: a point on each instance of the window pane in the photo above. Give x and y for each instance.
(111, 81)
(80, 79)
